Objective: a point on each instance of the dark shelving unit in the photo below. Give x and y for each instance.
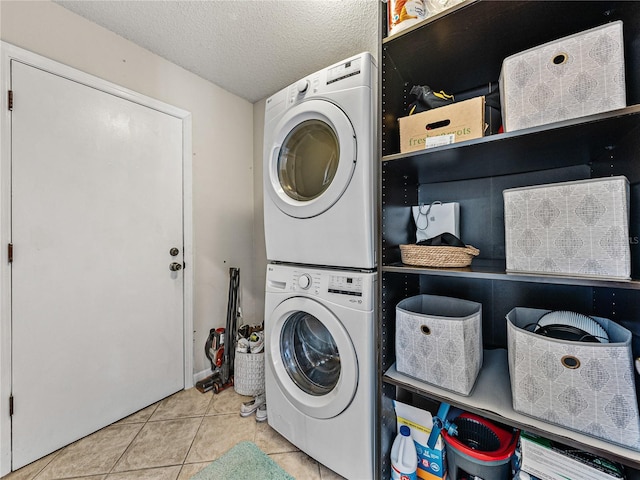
(460, 51)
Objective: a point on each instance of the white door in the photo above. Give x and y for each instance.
(312, 159)
(97, 315)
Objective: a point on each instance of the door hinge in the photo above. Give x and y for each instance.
(10, 252)
(10, 99)
(11, 406)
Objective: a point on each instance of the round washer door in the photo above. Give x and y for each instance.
(312, 357)
(312, 159)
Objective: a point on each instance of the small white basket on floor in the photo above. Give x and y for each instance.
(249, 373)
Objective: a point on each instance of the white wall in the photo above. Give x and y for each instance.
(260, 253)
(223, 188)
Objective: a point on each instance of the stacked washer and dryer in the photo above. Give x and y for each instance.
(319, 215)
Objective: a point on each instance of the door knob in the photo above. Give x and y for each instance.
(174, 267)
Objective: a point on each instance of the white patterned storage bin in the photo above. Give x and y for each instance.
(572, 228)
(579, 75)
(597, 398)
(439, 341)
(248, 372)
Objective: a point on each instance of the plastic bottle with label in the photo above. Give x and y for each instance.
(404, 458)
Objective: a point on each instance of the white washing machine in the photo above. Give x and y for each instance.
(320, 364)
(320, 168)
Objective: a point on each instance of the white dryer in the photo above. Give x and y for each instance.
(320, 168)
(320, 364)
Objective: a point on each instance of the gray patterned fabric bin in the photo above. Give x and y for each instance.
(439, 341)
(595, 395)
(576, 228)
(574, 76)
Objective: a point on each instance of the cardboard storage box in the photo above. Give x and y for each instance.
(439, 341)
(582, 386)
(575, 76)
(431, 461)
(548, 460)
(452, 123)
(576, 228)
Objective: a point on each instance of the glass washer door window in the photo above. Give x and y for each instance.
(311, 160)
(311, 356)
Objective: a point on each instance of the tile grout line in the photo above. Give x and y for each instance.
(149, 420)
(131, 442)
(194, 438)
(144, 422)
(48, 463)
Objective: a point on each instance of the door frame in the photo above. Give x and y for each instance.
(9, 52)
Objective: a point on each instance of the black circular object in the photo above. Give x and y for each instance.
(476, 435)
(572, 326)
(566, 332)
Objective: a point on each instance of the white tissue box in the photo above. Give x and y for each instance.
(435, 219)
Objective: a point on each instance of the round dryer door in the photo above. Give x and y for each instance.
(312, 159)
(312, 358)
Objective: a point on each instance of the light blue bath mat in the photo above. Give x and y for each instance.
(244, 461)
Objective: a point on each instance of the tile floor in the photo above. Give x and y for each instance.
(171, 440)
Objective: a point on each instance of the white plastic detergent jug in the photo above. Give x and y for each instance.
(404, 458)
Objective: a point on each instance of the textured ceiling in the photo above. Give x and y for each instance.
(252, 48)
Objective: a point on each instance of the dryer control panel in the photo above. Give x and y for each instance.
(354, 72)
(344, 70)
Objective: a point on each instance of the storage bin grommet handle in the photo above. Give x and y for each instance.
(569, 361)
(425, 329)
(560, 58)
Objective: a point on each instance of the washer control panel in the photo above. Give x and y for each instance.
(304, 281)
(308, 282)
(353, 289)
(345, 285)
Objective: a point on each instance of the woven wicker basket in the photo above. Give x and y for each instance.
(249, 373)
(438, 256)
